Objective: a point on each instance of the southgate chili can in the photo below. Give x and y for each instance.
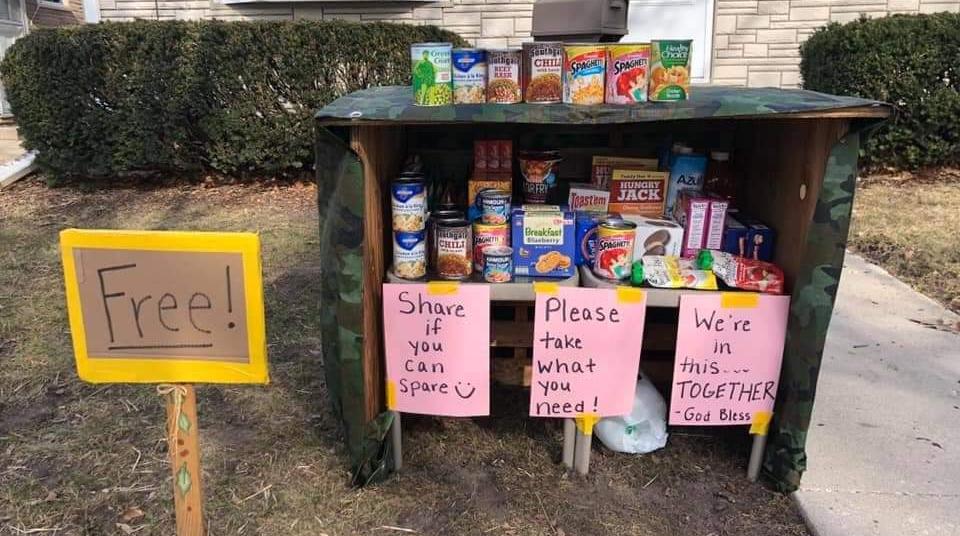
(615, 239)
(435, 216)
(542, 72)
(469, 75)
(494, 206)
(497, 264)
(432, 77)
(485, 235)
(454, 249)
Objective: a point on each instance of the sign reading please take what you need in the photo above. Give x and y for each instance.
(437, 342)
(159, 307)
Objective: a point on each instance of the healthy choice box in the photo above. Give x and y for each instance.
(543, 238)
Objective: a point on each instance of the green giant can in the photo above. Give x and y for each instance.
(432, 75)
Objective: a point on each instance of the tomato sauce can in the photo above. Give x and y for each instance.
(503, 75)
(454, 249)
(584, 73)
(485, 235)
(542, 72)
(615, 239)
(498, 264)
(628, 66)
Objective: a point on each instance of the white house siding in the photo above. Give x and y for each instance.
(755, 42)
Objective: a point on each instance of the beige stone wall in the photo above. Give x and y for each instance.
(486, 23)
(756, 42)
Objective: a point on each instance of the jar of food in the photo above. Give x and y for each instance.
(454, 249)
(614, 257)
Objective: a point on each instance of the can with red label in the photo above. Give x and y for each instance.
(485, 235)
(615, 239)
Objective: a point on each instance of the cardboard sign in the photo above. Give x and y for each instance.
(586, 350)
(437, 341)
(729, 349)
(163, 307)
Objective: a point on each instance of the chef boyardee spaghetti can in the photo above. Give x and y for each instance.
(432, 75)
(615, 239)
(584, 73)
(628, 67)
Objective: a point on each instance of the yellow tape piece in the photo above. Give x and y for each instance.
(391, 395)
(761, 423)
(629, 295)
(586, 422)
(739, 300)
(442, 288)
(545, 288)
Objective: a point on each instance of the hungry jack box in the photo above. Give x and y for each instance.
(637, 191)
(543, 239)
(703, 218)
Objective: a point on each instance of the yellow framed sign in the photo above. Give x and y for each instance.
(165, 307)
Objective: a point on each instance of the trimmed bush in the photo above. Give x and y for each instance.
(910, 61)
(232, 97)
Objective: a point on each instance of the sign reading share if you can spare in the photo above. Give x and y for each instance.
(158, 307)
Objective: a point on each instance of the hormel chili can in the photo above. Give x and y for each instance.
(614, 257)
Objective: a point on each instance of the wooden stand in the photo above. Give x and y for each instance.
(183, 442)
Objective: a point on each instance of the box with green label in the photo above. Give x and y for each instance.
(670, 70)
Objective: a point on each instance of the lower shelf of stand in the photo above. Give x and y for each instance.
(520, 289)
(656, 297)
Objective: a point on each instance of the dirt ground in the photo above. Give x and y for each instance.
(910, 225)
(89, 459)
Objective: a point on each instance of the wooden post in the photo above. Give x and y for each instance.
(183, 442)
(569, 439)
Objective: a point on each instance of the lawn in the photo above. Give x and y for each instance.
(87, 459)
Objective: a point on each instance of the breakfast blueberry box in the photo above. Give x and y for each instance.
(543, 238)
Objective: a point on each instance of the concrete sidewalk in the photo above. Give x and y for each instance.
(884, 443)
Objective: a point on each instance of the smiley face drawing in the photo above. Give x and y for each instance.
(469, 386)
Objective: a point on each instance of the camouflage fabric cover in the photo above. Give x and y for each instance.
(395, 104)
(340, 197)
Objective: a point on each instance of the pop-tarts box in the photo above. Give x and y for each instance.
(543, 238)
(586, 244)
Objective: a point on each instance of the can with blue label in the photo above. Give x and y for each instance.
(494, 206)
(469, 75)
(408, 203)
(497, 264)
(410, 254)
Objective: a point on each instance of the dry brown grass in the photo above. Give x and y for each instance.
(910, 225)
(86, 459)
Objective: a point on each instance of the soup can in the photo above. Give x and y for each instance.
(497, 264)
(542, 72)
(503, 75)
(469, 75)
(584, 73)
(454, 249)
(432, 77)
(614, 258)
(408, 203)
(494, 206)
(410, 254)
(436, 216)
(628, 65)
(485, 235)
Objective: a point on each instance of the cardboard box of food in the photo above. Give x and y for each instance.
(748, 237)
(634, 191)
(656, 236)
(543, 242)
(601, 169)
(703, 218)
(587, 197)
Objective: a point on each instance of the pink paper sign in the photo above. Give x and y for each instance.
(586, 351)
(729, 349)
(437, 342)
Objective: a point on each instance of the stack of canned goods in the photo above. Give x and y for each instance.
(552, 72)
(408, 203)
(491, 236)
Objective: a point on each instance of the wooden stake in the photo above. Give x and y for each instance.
(397, 435)
(569, 440)
(183, 442)
(756, 457)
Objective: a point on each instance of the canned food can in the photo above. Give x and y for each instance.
(432, 78)
(435, 216)
(409, 254)
(503, 75)
(454, 249)
(614, 258)
(542, 72)
(485, 235)
(498, 264)
(670, 70)
(584, 69)
(494, 206)
(628, 66)
(469, 75)
(408, 203)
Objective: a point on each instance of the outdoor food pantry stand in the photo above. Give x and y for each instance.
(795, 156)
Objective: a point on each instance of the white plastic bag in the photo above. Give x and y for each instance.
(644, 429)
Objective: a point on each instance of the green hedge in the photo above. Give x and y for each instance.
(910, 61)
(233, 97)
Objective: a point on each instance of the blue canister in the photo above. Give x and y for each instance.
(469, 75)
(408, 203)
(494, 206)
(498, 264)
